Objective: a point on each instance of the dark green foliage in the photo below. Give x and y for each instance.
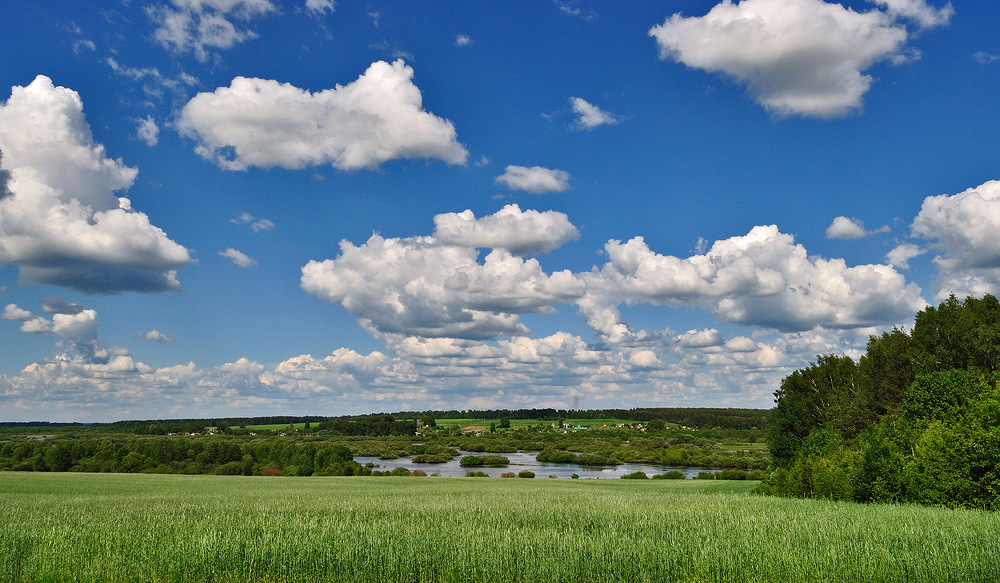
(940, 395)
(918, 419)
(483, 460)
(526, 474)
(815, 397)
(556, 456)
(671, 475)
(636, 476)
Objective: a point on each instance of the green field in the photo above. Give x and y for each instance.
(151, 528)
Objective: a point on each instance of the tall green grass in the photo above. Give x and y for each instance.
(112, 528)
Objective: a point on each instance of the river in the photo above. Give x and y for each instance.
(526, 461)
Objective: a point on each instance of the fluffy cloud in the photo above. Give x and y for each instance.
(761, 279)
(62, 223)
(901, 254)
(156, 336)
(148, 131)
(590, 115)
(37, 325)
(700, 338)
(918, 11)
(86, 378)
(965, 226)
(377, 118)
(203, 25)
(421, 287)
(462, 40)
(797, 57)
(238, 258)
(536, 179)
(15, 313)
(845, 228)
(30, 323)
(519, 232)
(76, 327)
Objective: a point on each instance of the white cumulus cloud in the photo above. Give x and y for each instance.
(918, 11)
(761, 279)
(238, 257)
(797, 57)
(421, 287)
(156, 336)
(148, 131)
(264, 123)
(901, 255)
(509, 228)
(965, 225)
(536, 179)
(590, 115)
(15, 313)
(61, 221)
(700, 338)
(845, 228)
(199, 26)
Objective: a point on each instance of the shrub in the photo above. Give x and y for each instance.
(732, 474)
(575, 476)
(508, 475)
(418, 473)
(636, 476)
(705, 476)
(432, 458)
(476, 474)
(526, 474)
(484, 460)
(671, 475)
(400, 472)
(556, 456)
(230, 469)
(272, 471)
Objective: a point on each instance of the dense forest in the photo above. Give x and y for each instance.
(916, 419)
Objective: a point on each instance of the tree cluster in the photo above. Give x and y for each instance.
(915, 419)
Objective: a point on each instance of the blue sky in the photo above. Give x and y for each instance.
(244, 207)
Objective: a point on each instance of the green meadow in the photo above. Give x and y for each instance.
(169, 528)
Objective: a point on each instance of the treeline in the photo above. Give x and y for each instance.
(916, 419)
(700, 418)
(375, 425)
(219, 455)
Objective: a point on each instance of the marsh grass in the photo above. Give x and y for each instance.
(162, 528)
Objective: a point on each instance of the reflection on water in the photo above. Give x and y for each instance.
(526, 461)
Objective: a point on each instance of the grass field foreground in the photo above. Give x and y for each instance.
(165, 528)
